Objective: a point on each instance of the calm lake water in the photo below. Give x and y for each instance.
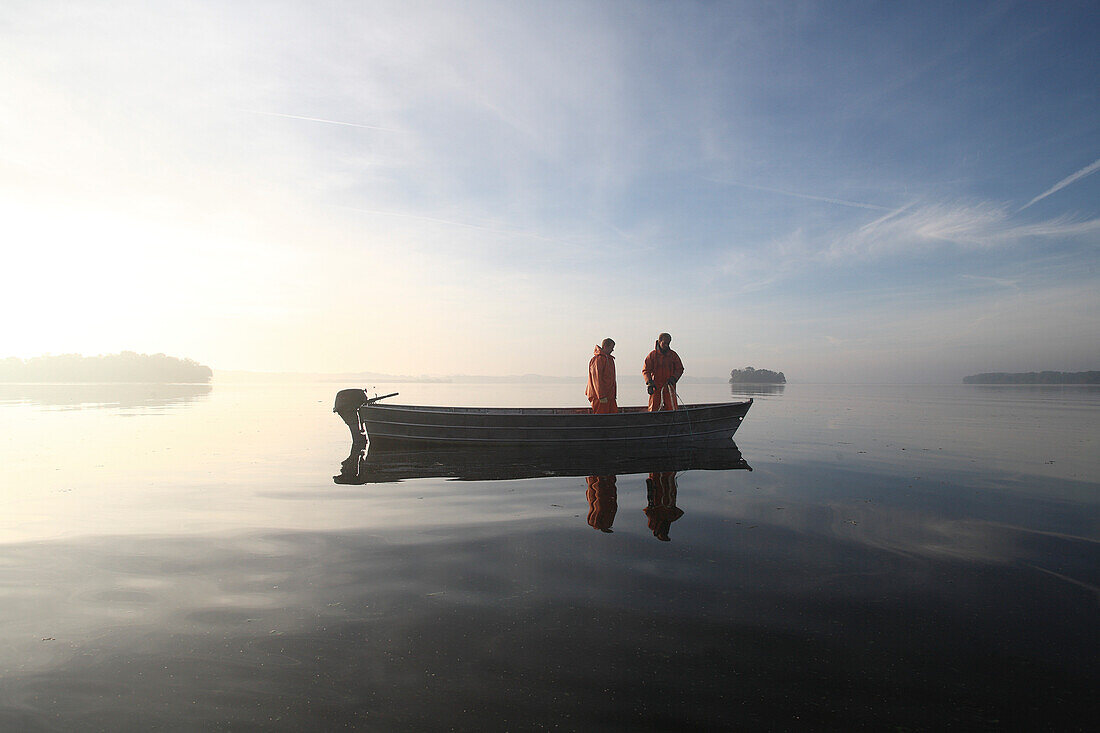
(897, 558)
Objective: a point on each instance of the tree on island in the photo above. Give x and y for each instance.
(1034, 378)
(124, 367)
(748, 375)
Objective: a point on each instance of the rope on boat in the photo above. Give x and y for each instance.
(675, 398)
(687, 413)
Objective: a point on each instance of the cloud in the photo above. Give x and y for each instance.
(925, 228)
(1087, 170)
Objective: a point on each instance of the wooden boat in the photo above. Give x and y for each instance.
(412, 426)
(482, 463)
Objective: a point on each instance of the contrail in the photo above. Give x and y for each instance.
(1064, 182)
(1004, 282)
(319, 119)
(841, 202)
(891, 215)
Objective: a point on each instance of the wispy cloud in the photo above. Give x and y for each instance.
(1087, 170)
(918, 229)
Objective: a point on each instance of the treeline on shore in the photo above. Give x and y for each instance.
(1034, 378)
(126, 366)
(748, 375)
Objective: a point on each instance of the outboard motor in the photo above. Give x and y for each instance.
(348, 402)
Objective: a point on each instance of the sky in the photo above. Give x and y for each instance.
(842, 191)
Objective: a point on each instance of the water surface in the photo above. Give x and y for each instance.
(908, 557)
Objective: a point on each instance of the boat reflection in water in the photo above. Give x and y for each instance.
(600, 468)
(366, 466)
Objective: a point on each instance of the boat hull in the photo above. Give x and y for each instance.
(411, 426)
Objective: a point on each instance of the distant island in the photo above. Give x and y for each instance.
(748, 375)
(123, 367)
(1034, 378)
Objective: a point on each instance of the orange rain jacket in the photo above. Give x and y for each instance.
(660, 368)
(601, 383)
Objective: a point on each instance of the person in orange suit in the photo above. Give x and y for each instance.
(602, 502)
(601, 380)
(662, 369)
(661, 511)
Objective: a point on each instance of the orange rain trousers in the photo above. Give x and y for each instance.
(601, 389)
(663, 398)
(660, 368)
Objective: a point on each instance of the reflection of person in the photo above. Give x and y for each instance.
(603, 502)
(601, 379)
(662, 369)
(662, 510)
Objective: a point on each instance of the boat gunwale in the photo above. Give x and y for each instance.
(549, 411)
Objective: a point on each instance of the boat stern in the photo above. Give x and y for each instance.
(348, 402)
